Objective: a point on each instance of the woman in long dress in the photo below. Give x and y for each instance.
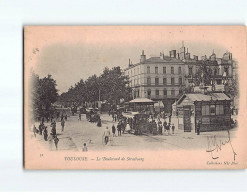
(128, 128)
(99, 123)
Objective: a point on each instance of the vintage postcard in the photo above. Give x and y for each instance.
(135, 97)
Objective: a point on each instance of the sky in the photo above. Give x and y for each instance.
(71, 53)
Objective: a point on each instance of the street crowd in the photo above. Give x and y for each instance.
(43, 130)
(137, 125)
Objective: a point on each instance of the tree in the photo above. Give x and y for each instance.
(47, 92)
(232, 88)
(114, 85)
(33, 94)
(110, 86)
(43, 94)
(203, 75)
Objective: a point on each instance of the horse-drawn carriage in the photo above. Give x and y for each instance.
(92, 115)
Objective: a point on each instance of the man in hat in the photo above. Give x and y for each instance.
(56, 140)
(198, 126)
(84, 149)
(113, 130)
(63, 124)
(173, 128)
(45, 134)
(119, 129)
(34, 130)
(106, 135)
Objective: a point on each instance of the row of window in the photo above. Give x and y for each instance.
(212, 110)
(164, 70)
(215, 72)
(157, 92)
(180, 81)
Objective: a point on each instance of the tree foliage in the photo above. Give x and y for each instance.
(110, 86)
(43, 94)
(203, 75)
(232, 88)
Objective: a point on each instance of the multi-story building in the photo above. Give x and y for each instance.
(163, 78)
(157, 78)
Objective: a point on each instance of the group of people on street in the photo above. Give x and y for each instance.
(121, 127)
(42, 130)
(156, 127)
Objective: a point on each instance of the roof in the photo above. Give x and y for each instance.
(201, 62)
(141, 100)
(188, 98)
(220, 96)
(166, 59)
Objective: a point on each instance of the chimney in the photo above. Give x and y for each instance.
(195, 57)
(173, 53)
(129, 61)
(161, 55)
(188, 56)
(143, 57)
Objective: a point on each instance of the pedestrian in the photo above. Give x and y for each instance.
(99, 123)
(79, 117)
(115, 118)
(40, 128)
(173, 128)
(128, 128)
(50, 138)
(160, 129)
(165, 124)
(66, 117)
(61, 117)
(63, 124)
(58, 114)
(235, 123)
(34, 130)
(119, 129)
(123, 126)
(198, 126)
(53, 129)
(106, 135)
(168, 128)
(154, 125)
(56, 140)
(42, 120)
(150, 127)
(113, 130)
(45, 134)
(84, 149)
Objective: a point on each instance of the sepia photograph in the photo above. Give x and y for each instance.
(109, 96)
(134, 97)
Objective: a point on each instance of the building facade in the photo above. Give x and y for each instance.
(163, 78)
(157, 78)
